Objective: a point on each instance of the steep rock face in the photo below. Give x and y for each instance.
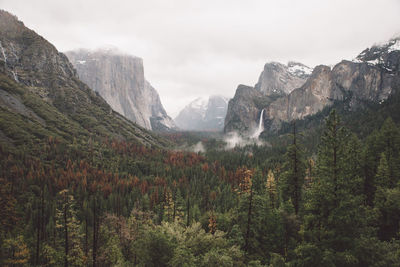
(29, 59)
(203, 114)
(120, 80)
(367, 78)
(277, 78)
(308, 99)
(41, 85)
(355, 82)
(242, 109)
(363, 81)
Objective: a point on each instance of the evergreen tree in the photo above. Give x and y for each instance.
(390, 139)
(334, 214)
(293, 178)
(271, 189)
(69, 230)
(382, 178)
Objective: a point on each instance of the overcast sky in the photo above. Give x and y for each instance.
(199, 48)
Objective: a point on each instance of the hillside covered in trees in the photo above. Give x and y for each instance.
(115, 203)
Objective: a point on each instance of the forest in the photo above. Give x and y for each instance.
(104, 202)
(81, 185)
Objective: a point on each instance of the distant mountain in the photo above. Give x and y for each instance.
(203, 114)
(119, 79)
(41, 95)
(368, 78)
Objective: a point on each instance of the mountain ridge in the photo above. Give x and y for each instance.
(367, 78)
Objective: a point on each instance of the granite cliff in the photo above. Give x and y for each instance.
(120, 80)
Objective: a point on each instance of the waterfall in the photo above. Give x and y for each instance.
(260, 126)
(15, 75)
(4, 54)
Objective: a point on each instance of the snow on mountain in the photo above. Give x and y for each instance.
(203, 114)
(278, 78)
(298, 69)
(377, 54)
(200, 105)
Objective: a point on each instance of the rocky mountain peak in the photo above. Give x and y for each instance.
(199, 103)
(298, 69)
(29, 59)
(277, 78)
(384, 55)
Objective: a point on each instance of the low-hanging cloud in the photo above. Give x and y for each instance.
(234, 139)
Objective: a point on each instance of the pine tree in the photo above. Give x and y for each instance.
(334, 213)
(271, 188)
(387, 201)
(69, 230)
(390, 139)
(387, 141)
(382, 178)
(246, 190)
(293, 178)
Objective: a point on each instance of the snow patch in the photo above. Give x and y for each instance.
(200, 105)
(81, 61)
(370, 62)
(395, 46)
(374, 62)
(297, 68)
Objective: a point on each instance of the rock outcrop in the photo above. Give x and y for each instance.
(120, 80)
(203, 114)
(277, 78)
(367, 78)
(29, 59)
(243, 109)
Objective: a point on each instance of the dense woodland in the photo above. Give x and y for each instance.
(99, 201)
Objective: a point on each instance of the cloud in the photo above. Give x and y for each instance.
(234, 139)
(196, 48)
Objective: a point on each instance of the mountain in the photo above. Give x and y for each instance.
(119, 79)
(368, 78)
(203, 114)
(277, 78)
(41, 95)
